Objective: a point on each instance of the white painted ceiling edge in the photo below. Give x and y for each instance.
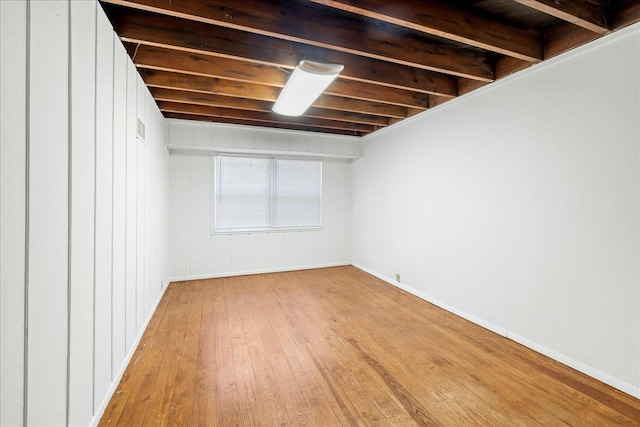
(609, 38)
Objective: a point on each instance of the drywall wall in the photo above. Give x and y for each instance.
(84, 202)
(518, 207)
(196, 253)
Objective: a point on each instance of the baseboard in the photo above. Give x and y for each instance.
(614, 382)
(617, 383)
(116, 381)
(249, 272)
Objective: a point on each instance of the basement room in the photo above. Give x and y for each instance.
(319, 213)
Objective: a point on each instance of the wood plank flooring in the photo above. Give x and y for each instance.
(335, 347)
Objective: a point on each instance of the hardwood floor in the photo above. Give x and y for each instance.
(339, 347)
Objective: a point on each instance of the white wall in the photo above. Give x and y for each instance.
(196, 253)
(13, 148)
(70, 230)
(518, 207)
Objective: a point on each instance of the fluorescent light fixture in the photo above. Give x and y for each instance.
(306, 84)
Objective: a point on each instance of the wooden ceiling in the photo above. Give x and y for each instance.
(226, 61)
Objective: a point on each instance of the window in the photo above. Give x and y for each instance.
(263, 193)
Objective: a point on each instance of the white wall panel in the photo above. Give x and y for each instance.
(240, 252)
(141, 290)
(264, 249)
(148, 275)
(180, 211)
(195, 252)
(149, 219)
(48, 213)
(118, 256)
(75, 195)
(131, 232)
(13, 149)
(104, 207)
(527, 217)
(159, 203)
(308, 245)
(141, 280)
(83, 65)
(162, 203)
(234, 138)
(200, 219)
(154, 181)
(220, 254)
(202, 135)
(183, 133)
(291, 249)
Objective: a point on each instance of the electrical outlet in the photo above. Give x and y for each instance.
(397, 278)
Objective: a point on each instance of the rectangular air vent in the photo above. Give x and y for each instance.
(140, 129)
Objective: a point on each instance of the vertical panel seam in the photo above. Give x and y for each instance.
(126, 201)
(69, 205)
(190, 220)
(95, 186)
(136, 217)
(25, 371)
(113, 106)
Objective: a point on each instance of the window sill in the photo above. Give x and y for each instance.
(266, 231)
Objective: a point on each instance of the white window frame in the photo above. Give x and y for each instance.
(271, 229)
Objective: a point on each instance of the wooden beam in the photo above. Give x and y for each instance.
(589, 14)
(202, 65)
(261, 116)
(628, 13)
(441, 19)
(507, 66)
(144, 28)
(185, 82)
(434, 101)
(358, 106)
(179, 61)
(297, 22)
(243, 122)
(195, 98)
(413, 112)
(466, 85)
(564, 37)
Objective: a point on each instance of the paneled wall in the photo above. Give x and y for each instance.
(84, 211)
(518, 207)
(13, 204)
(197, 253)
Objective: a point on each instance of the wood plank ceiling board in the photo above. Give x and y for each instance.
(226, 61)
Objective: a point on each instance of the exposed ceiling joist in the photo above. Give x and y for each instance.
(248, 122)
(346, 34)
(564, 37)
(262, 116)
(177, 96)
(187, 82)
(444, 20)
(627, 13)
(229, 69)
(194, 37)
(591, 14)
(226, 61)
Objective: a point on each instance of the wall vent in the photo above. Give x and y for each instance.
(140, 129)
